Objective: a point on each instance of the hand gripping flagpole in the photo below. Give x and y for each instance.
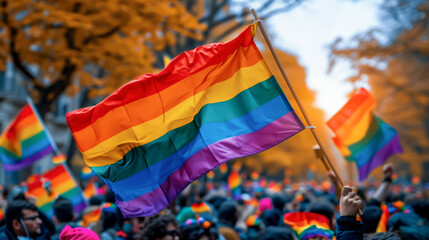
(307, 120)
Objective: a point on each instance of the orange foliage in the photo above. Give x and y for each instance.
(76, 40)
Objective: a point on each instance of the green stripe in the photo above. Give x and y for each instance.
(373, 130)
(161, 148)
(24, 144)
(69, 195)
(34, 139)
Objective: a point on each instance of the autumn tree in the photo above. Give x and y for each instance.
(394, 61)
(224, 17)
(59, 46)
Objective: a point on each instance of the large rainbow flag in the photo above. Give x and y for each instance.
(156, 134)
(24, 141)
(58, 181)
(361, 136)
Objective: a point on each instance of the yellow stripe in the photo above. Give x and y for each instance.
(22, 135)
(30, 131)
(44, 199)
(64, 186)
(359, 131)
(113, 149)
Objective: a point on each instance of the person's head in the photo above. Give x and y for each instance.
(22, 218)
(383, 236)
(200, 229)
(277, 233)
(371, 216)
(265, 204)
(63, 211)
(228, 213)
(279, 201)
(159, 227)
(323, 207)
(78, 233)
(272, 217)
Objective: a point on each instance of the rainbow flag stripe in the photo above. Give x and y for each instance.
(309, 225)
(200, 207)
(56, 182)
(361, 136)
(24, 141)
(209, 105)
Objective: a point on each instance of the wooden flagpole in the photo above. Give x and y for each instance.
(307, 120)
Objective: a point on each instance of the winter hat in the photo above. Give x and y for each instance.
(78, 233)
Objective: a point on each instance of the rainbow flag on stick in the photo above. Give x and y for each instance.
(361, 136)
(56, 182)
(24, 140)
(156, 134)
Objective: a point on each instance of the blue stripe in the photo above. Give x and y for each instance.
(27, 152)
(384, 135)
(150, 178)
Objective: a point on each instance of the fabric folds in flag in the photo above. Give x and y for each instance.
(309, 225)
(156, 134)
(24, 141)
(361, 136)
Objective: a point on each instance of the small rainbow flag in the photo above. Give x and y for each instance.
(390, 209)
(24, 140)
(90, 190)
(234, 183)
(361, 136)
(200, 207)
(55, 182)
(90, 217)
(253, 221)
(223, 168)
(58, 159)
(164, 130)
(86, 173)
(309, 225)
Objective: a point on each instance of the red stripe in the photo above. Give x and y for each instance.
(12, 129)
(182, 66)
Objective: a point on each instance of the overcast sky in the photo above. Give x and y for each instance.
(307, 31)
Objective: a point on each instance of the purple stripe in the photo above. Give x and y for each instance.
(392, 147)
(28, 161)
(209, 158)
(80, 207)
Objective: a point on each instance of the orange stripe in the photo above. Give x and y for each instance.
(29, 121)
(157, 104)
(346, 128)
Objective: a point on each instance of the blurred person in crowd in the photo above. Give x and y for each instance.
(18, 193)
(159, 227)
(228, 216)
(323, 207)
(110, 226)
(200, 229)
(23, 222)
(63, 215)
(277, 233)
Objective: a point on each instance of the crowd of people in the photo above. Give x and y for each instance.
(207, 210)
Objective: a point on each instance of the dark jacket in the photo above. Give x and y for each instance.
(349, 229)
(5, 234)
